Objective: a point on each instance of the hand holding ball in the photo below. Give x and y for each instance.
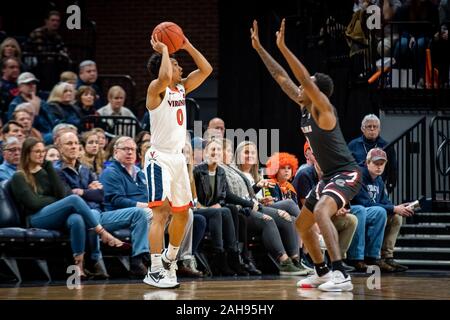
(170, 34)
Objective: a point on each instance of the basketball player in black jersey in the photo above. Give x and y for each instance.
(341, 179)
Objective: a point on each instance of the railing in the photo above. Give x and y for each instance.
(440, 161)
(410, 152)
(113, 125)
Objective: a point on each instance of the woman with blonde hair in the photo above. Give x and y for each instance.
(61, 105)
(10, 48)
(92, 157)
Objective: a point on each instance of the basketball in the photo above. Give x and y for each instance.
(170, 34)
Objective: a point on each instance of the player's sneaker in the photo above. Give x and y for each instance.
(170, 266)
(314, 280)
(160, 279)
(337, 283)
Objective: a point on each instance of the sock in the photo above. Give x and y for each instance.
(321, 268)
(337, 265)
(172, 252)
(156, 262)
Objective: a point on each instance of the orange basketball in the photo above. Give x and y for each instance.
(170, 34)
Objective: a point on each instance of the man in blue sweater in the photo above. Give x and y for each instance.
(125, 186)
(374, 209)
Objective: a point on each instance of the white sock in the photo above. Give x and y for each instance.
(172, 252)
(156, 262)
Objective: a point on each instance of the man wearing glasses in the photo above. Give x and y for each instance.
(359, 147)
(11, 154)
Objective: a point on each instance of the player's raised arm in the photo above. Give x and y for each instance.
(319, 100)
(196, 77)
(159, 84)
(277, 71)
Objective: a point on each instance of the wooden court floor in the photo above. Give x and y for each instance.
(404, 286)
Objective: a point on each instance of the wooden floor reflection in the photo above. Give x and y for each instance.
(392, 287)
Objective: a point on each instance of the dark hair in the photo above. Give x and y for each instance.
(5, 61)
(27, 145)
(7, 125)
(81, 90)
(53, 13)
(154, 63)
(324, 83)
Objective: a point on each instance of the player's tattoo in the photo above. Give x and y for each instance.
(279, 74)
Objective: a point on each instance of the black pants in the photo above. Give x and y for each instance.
(221, 227)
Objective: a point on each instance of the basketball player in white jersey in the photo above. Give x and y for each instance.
(165, 167)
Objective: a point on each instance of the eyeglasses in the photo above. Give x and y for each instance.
(372, 126)
(12, 150)
(127, 149)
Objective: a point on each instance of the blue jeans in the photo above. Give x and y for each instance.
(70, 212)
(133, 218)
(369, 233)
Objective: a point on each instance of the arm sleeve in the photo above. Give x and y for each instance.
(24, 194)
(114, 190)
(55, 181)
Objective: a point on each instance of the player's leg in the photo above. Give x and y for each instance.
(305, 226)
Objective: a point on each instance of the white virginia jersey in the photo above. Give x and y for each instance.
(168, 121)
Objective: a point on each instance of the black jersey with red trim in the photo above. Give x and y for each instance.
(329, 146)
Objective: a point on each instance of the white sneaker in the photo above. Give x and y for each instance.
(170, 266)
(337, 283)
(314, 280)
(160, 279)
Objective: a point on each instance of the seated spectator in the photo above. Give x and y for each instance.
(61, 105)
(92, 156)
(372, 195)
(216, 128)
(359, 147)
(40, 196)
(82, 181)
(46, 39)
(125, 186)
(13, 129)
(69, 77)
(11, 149)
(102, 139)
(247, 162)
(52, 153)
(309, 156)
(115, 107)
(8, 84)
(85, 98)
(59, 129)
(280, 168)
(88, 76)
(10, 48)
(24, 115)
(277, 234)
(212, 193)
(415, 38)
(43, 121)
